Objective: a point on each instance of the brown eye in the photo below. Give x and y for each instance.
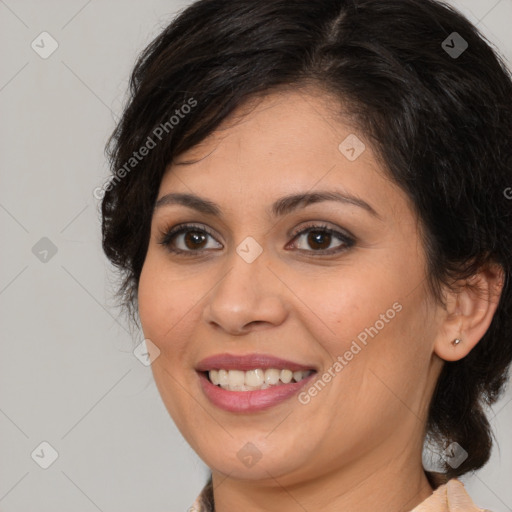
(194, 240)
(319, 239)
(188, 240)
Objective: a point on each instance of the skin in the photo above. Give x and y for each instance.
(357, 444)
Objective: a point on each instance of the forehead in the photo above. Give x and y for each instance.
(285, 142)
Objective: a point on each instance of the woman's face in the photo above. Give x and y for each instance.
(268, 281)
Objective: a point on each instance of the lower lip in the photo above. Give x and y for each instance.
(250, 401)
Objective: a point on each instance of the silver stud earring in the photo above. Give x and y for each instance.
(456, 341)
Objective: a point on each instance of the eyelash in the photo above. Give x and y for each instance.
(169, 234)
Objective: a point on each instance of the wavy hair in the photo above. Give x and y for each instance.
(441, 123)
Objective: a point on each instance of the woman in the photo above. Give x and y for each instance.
(308, 209)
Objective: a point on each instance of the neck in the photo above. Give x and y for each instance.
(395, 484)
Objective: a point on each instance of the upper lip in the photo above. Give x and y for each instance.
(248, 362)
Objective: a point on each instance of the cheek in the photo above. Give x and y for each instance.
(163, 301)
(377, 321)
(344, 304)
(151, 300)
(166, 310)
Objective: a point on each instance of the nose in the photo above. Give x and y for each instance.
(248, 297)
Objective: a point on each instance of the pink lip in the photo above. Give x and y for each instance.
(249, 362)
(250, 401)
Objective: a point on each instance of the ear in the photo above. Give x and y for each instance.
(469, 312)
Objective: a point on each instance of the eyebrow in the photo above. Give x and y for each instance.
(282, 206)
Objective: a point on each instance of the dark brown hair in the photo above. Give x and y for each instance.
(440, 121)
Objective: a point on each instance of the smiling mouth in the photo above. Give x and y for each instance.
(254, 380)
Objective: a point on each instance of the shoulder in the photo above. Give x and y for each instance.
(450, 497)
(459, 499)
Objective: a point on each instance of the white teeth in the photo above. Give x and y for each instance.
(254, 378)
(223, 378)
(297, 376)
(286, 376)
(238, 380)
(214, 377)
(272, 376)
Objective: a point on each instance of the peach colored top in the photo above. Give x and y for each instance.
(451, 497)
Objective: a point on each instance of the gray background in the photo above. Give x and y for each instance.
(67, 372)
